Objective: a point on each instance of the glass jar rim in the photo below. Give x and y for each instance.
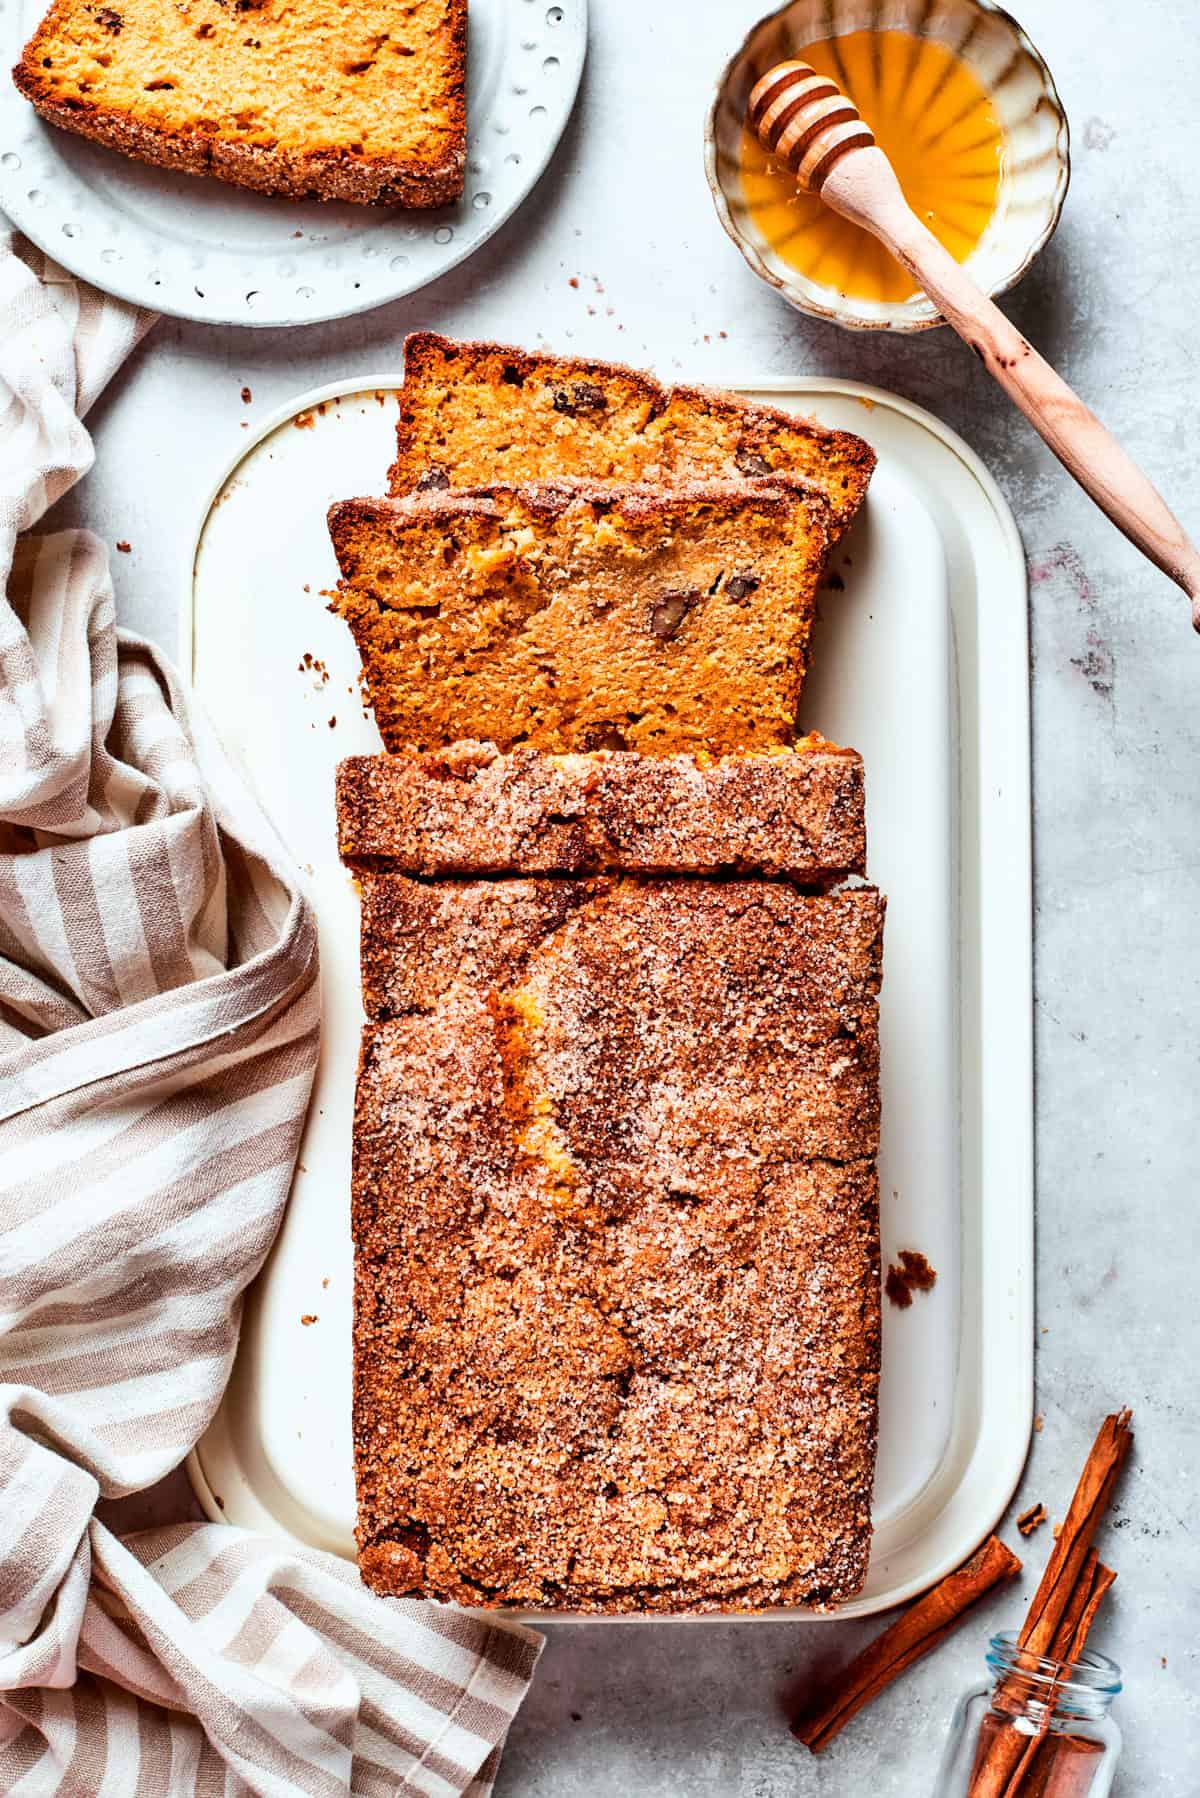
(1091, 1674)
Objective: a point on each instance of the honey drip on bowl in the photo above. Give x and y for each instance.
(937, 127)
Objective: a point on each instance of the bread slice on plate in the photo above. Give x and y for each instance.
(362, 102)
(472, 414)
(575, 617)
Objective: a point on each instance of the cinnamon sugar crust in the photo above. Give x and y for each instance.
(615, 1217)
(471, 810)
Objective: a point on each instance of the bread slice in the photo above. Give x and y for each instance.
(474, 414)
(470, 810)
(575, 617)
(363, 102)
(616, 1242)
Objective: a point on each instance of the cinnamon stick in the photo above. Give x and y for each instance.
(1099, 1476)
(1073, 1642)
(1063, 1600)
(1068, 1772)
(1075, 1606)
(918, 1630)
(1011, 1697)
(1044, 1753)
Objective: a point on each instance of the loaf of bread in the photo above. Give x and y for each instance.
(470, 810)
(574, 617)
(366, 103)
(615, 1208)
(475, 414)
(615, 1221)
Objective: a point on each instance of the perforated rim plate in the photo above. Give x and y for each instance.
(197, 248)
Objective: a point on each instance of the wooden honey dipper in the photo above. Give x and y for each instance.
(807, 123)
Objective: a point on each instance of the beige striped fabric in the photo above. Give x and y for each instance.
(158, 1035)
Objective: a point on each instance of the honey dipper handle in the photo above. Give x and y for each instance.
(863, 188)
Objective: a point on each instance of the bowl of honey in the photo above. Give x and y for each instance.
(967, 112)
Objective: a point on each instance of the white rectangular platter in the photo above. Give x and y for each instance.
(920, 662)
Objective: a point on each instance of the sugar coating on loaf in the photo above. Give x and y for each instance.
(615, 1220)
(469, 809)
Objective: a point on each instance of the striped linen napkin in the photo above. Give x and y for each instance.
(159, 1017)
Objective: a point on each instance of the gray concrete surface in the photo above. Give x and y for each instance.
(685, 1711)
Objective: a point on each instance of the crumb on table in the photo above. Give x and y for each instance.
(1031, 1519)
(913, 1274)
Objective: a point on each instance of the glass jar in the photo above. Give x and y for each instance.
(1049, 1720)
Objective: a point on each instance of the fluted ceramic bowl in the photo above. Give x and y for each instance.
(989, 41)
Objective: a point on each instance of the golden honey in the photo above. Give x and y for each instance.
(937, 126)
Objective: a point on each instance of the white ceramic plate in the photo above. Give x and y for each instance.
(198, 248)
(921, 663)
